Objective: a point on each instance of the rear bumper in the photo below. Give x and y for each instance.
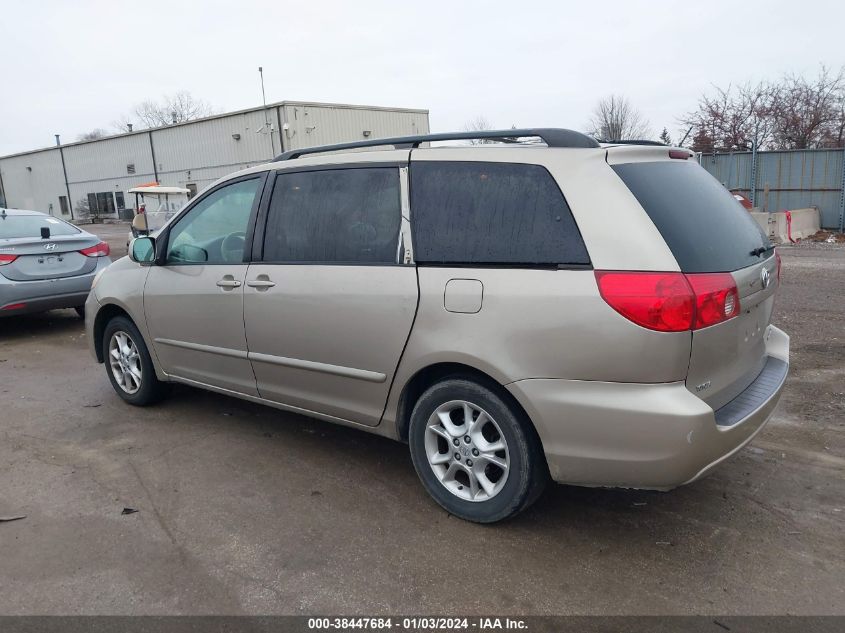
(642, 435)
(48, 294)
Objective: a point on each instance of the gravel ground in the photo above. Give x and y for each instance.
(244, 509)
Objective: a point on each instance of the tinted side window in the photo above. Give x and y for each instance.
(214, 230)
(491, 213)
(706, 229)
(335, 215)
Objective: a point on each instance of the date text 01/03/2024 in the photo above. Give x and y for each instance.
(425, 623)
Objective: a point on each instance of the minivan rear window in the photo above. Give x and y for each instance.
(491, 213)
(706, 229)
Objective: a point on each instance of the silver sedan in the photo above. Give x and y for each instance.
(46, 263)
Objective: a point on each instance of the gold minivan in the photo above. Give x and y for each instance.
(595, 314)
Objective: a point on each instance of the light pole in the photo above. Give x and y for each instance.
(266, 120)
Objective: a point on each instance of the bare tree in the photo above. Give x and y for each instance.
(93, 135)
(176, 108)
(83, 211)
(792, 113)
(478, 124)
(734, 118)
(124, 123)
(614, 118)
(810, 113)
(835, 135)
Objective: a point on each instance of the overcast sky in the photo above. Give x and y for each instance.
(69, 67)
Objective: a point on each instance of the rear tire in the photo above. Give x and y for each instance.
(484, 470)
(129, 365)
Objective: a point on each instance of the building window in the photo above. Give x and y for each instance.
(101, 203)
(105, 203)
(192, 189)
(118, 197)
(130, 168)
(63, 205)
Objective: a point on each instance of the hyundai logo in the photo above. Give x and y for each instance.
(50, 246)
(764, 278)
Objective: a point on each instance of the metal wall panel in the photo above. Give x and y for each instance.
(310, 125)
(109, 158)
(794, 179)
(213, 142)
(34, 181)
(199, 152)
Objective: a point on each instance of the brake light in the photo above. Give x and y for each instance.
(679, 154)
(657, 301)
(716, 298)
(670, 302)
(98, 250)
(7, 259)
(13, 306)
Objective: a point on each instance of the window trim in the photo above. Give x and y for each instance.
(504, 265)
(264, 213)
(163, 238)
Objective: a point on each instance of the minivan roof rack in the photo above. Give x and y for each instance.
(553, 137)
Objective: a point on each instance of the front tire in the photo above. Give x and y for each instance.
(475, 452)
(129, 365)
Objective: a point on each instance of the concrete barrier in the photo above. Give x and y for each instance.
(777, 225)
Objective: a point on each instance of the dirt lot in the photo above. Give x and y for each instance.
(243, 509)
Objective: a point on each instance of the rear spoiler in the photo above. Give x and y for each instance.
(618, 154)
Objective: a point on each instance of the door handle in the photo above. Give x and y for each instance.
(229, 282)
(261, 283)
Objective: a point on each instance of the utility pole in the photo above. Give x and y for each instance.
(266, 120)
(64, 171)
(754, 148)
(842, 197)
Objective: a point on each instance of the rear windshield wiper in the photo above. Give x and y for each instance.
(761, 250)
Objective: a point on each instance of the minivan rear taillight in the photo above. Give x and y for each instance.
(7, 259)
(671, 301)
(98, 250)
(716, 298)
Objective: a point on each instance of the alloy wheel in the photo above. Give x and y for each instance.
(125, 362)
(467, 451)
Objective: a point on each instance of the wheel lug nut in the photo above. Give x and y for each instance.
(475, 452)
(469, 462)
(458, 456)
(466, 439)
(456, 442)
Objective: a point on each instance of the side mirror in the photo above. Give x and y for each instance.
(142, 250)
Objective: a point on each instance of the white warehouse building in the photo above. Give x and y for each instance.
(91, 177)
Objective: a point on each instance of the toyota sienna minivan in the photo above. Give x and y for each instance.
(595, 314)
